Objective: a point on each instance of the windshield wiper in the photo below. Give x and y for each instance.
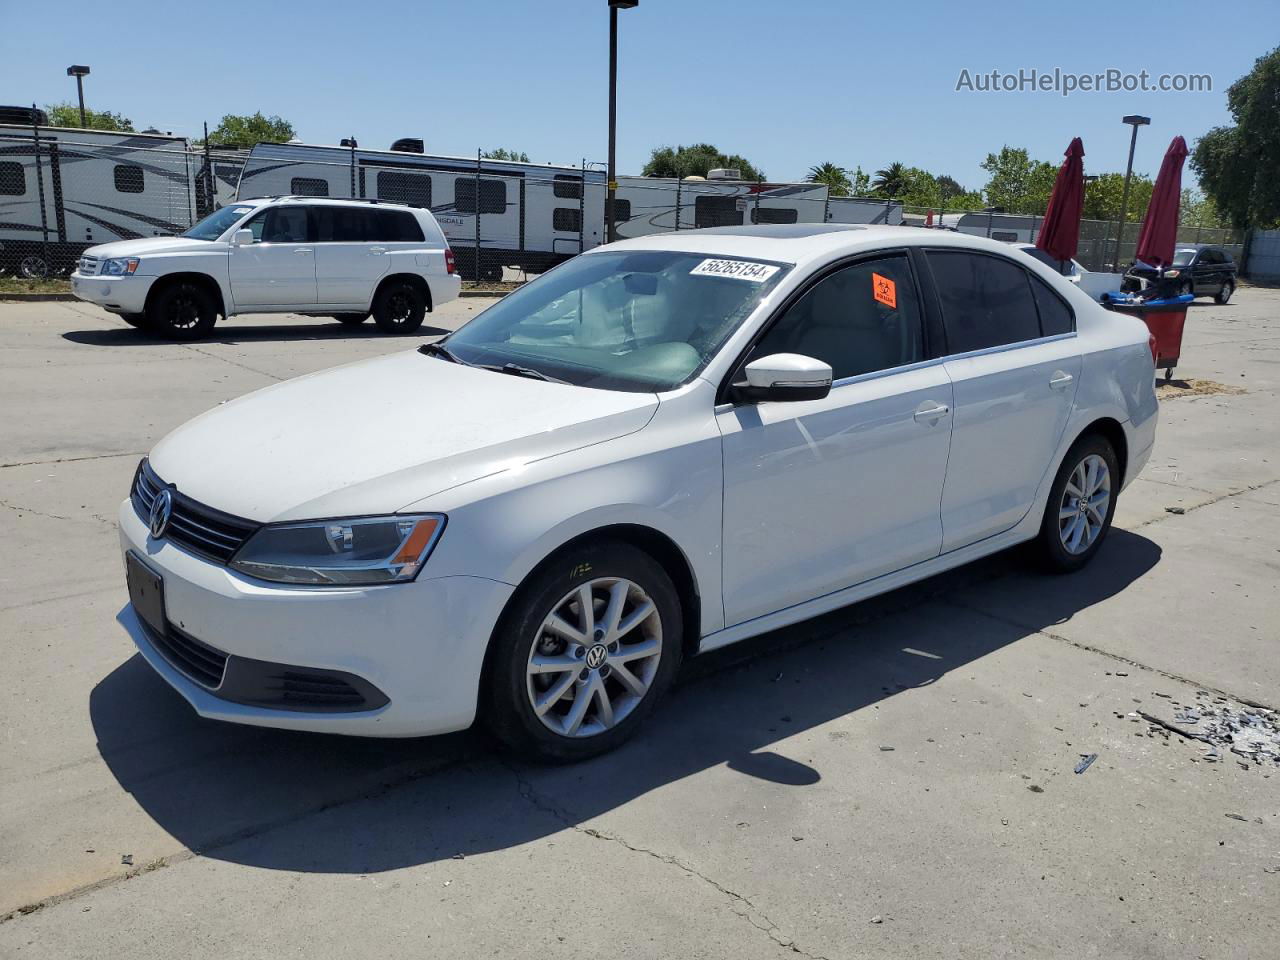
(518, 371)
(440, 350)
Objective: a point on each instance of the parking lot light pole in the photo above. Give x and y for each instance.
(614, 7)
(1135, 122)
(79, 71)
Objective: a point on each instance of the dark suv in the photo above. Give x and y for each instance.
(1199, 271)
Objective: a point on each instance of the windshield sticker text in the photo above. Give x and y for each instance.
(737, 269)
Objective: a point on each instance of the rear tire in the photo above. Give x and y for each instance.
(612, 679)
(182, 311)
(1082, 502)
(1223, 295)
(399, 307)
(351, 319)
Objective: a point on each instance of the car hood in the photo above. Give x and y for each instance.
(148, 245)
(377, 435)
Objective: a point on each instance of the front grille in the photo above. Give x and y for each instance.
(200, 529)
(88, 266)
(194, 660)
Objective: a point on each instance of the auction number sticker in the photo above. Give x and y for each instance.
(737, 269)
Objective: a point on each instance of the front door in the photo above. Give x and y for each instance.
(1015, 362)
(823, 494)
(279, 268)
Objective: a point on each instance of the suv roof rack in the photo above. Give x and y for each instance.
(295, 196)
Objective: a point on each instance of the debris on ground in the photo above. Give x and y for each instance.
(886, 749)
(1086, 760)
(126, 859)
(1250, 732)
(877, 919)
(1236, 816)
(1178, 510)
(1192, 387)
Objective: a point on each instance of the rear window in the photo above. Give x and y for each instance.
(397, 226)
(986, 301)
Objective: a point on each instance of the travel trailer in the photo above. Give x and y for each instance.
(864, 210)
(648, 205)
(63, 190)
(530, 215)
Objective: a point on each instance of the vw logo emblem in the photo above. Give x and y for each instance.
(161, 511)
(597, 655)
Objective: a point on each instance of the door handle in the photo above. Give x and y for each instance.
(1059, 380)
(302, 251)
(931, 411)
(377, 249)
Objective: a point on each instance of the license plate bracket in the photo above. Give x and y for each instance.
(146, 592)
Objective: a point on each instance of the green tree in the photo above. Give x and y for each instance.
(1239, 166)
(891, 181)
(836, 178)
(1197, 210)
(246, 131)
(68, 115)
(1018, 184)
(502, 153)
(696, 160)
(861, 183)
(948, 187)
(1103, 194)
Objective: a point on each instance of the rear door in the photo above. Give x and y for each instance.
(352, 248)
(1014, 360)
(279, 268)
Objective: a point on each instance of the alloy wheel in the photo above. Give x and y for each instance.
(1085, 502)
(184, 311)
(595, 657)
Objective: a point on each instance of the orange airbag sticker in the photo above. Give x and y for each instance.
(884, 290)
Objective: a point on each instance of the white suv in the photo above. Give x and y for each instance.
(321, 257)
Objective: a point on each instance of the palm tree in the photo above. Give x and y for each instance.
(891, 181)
(836, 178)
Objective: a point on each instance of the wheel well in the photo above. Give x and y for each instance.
(413, 278)
(1114, 434)
(203, 280)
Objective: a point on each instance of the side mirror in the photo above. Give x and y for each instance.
(780, 377)
(242, 238)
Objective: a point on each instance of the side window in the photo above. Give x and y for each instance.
(775, 215)
(281, 225)
(128, 178)
(986, 301)
(309, 187)
(493, 195)
(566, 187)
(860, 319)
(566, 218)
(1055, 316)
(396, 226)
(411, 189)
(12, 181)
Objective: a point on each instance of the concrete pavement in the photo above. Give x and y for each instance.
(908, 760)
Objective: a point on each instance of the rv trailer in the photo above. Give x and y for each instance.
(1009, 227)
(864, 210)
(528, 215)
(648, 205)
(63, 190)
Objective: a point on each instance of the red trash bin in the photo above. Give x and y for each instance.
(1165, 319)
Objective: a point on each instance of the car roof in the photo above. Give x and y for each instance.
(800, 243)
(337, 201)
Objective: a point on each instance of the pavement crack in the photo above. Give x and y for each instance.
(236, 363)
(96, 456)
(740, 904)
(20, 509)
(1208, 503)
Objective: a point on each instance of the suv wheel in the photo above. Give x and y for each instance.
(1228, 288)
(1081, 504)
(588, 646)
(183, 311)
(351, 319)
(1186, 287)
(399, 307)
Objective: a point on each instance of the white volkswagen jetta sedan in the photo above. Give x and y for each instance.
(658, 448)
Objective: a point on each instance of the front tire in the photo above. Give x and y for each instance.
(182, 311)
(1186, 288)
(1081, 505)
(1223, 295)
(588, 646)
(399, 307)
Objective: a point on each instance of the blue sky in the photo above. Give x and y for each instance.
(786, 85)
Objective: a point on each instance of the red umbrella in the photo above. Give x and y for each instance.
(1160, 226)
(1060, 234)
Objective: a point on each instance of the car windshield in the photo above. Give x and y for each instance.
(622, 320)
(1183, 258)
(216, 224)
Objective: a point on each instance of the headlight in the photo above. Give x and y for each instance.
(358, 552)
(1171, 273)
(119, 268)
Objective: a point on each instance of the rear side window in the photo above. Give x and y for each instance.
(493, 195)
(397, 226)
(12, 181)
(1055, 316)
(341, 224)
(566, 218)
(860, 319)
(309, 187)
(128, 178)
(986, 301)
(411, 189)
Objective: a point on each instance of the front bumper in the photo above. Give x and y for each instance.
(117, 294)
(422, 644)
